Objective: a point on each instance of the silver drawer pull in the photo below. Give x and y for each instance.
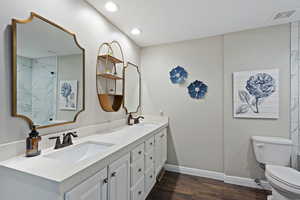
(105, 180)
(113, 174)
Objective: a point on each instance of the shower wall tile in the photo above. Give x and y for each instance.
(294, 105)
(44, 83)
(24, 74)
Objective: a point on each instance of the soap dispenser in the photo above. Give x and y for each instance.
(32, 143)
(130, 119)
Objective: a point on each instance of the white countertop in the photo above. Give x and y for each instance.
(58, 171)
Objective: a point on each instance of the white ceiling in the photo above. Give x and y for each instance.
(164, 21)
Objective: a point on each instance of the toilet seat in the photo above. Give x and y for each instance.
(285, 178)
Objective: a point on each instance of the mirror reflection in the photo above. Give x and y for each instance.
(132, 88)
(49, 73)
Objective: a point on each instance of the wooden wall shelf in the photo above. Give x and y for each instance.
(110, 102)
(112, 81)
(110, 76)
(110, 58)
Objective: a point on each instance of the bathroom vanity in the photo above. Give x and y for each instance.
(116, 165)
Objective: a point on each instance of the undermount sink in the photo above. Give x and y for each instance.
(79, 152)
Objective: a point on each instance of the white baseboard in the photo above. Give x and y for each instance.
(247, 182)
(195, 172)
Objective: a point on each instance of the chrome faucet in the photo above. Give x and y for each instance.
(67, 140)
(131, 120)
(137, 120)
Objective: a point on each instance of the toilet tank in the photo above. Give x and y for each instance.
(272, 150)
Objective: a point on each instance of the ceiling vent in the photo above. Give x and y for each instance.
(285, 14)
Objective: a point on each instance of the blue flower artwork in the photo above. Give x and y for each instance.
(197, 89)
(260, 86)
(178, 75)
(258, 94)
(68, 95)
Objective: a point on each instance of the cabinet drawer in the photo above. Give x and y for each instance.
(137, 171)
(138, 191)
(149, 179)
(149, 145)
(149, 160)
(137, 153)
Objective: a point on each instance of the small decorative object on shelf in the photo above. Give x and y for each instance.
(178, 75)
(197, 89)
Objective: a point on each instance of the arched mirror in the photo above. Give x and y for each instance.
(132, 88)
(48, 73)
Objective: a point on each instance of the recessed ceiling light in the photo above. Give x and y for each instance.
(285, 14)
(136, 31)
(111, 6)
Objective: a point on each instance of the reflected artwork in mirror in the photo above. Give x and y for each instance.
(48, 73)
(132, 88)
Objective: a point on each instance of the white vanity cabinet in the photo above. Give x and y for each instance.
(94, 188)
(149, 165)
(160, 149)
(111, 183)
(137, 166)
(128, 173)
(131, 177)
(119, 179)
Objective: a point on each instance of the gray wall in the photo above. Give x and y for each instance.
(196, 126)
(203, 133)
(265, 48)
(91, 29)
(69, 68)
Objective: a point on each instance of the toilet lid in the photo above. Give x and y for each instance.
(285, 175)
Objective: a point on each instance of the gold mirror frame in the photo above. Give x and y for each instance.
(140, 85)
(14, 69)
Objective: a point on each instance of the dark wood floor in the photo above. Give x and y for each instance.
(175, 186)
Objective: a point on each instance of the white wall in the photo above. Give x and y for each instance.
(196, 126)
(265, 48)
(203, 133)
(91, 28)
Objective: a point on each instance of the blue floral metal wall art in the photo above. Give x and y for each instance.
(256, 94)
(197, 89)
(178, 75)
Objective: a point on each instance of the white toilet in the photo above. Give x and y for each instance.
(275, 154)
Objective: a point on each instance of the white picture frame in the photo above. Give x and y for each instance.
(256, 94)
(68, 94)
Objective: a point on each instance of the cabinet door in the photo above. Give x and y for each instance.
(95, 188)
(158, 154)
(164, 146)
(160, 150)
(119, 179)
